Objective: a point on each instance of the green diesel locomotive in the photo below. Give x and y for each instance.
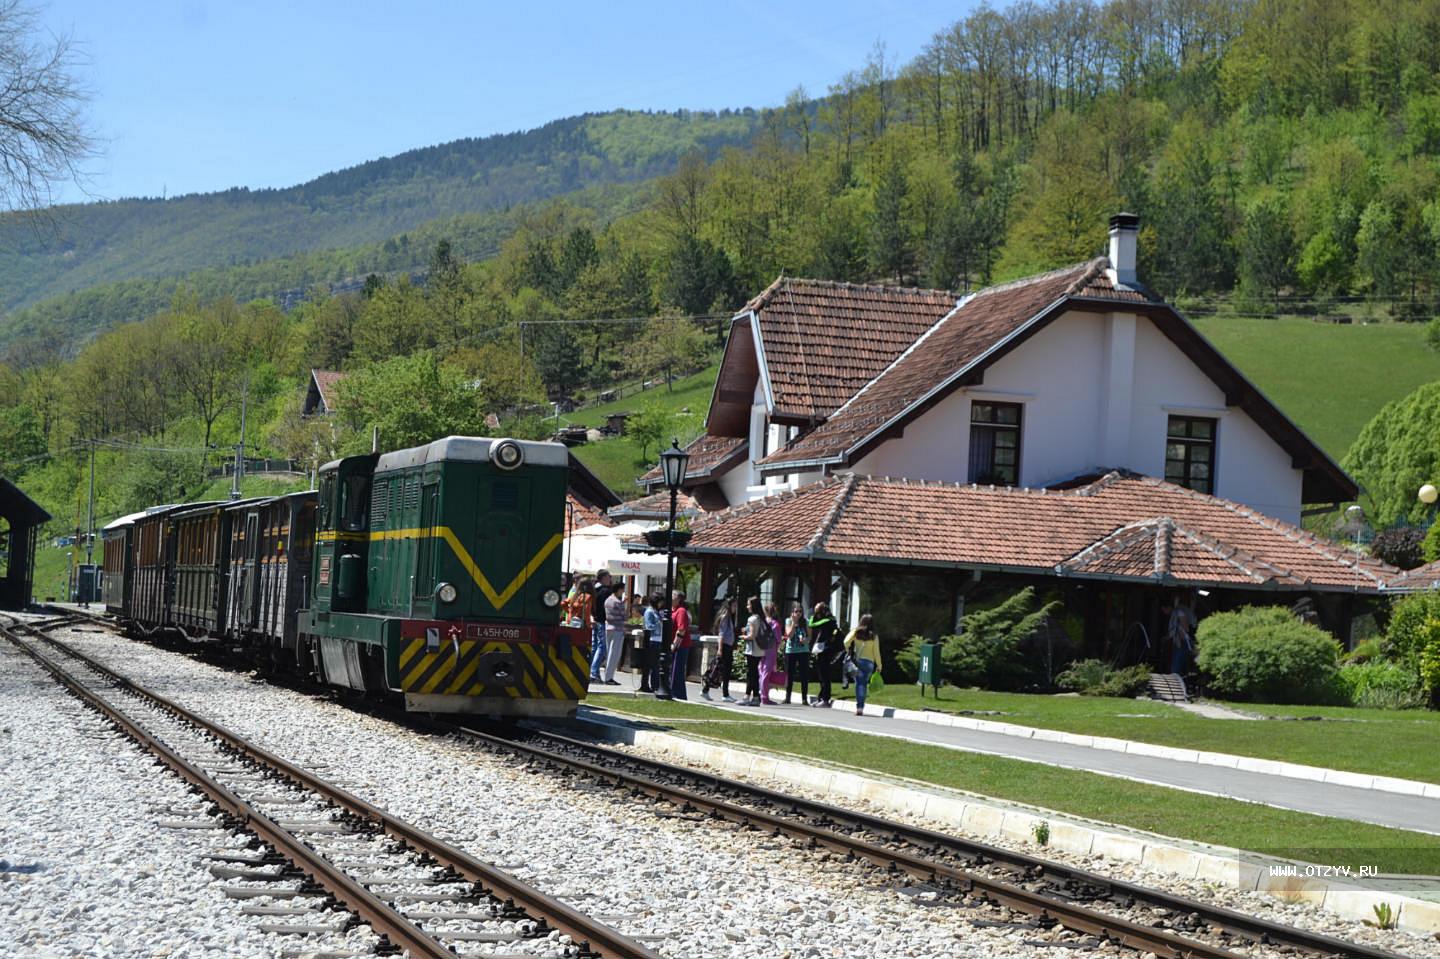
(433, 573)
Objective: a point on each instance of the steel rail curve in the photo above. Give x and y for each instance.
(588, 933)
(1094, 922)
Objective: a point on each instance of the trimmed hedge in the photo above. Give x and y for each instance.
(1264, 654)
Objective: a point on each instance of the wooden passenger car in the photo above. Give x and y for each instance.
(201, 565)
(269, 552)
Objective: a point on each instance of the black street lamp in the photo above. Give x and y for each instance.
(672, 465)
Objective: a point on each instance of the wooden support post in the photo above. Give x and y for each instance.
(820, 583)
(705, 608)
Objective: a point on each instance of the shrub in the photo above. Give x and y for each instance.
(1264, 654)
(1430, 547)
(1370, 649)
(1401, 546)
(1380, 685)
(1408, 631)
(986, 653)
(907, 659)
(1095, 677)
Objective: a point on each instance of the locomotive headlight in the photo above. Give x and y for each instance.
(550, 598)
(507, 454)
(447, 593)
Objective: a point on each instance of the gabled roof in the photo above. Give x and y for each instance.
(820, 341)
(944, 352)
(1123, 526)
(711, 457)
(656, 506)
(986, 326)
(321, 394)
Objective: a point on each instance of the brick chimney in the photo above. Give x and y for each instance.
(1124, 231)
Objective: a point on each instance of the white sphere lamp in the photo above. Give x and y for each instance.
(1429, 494)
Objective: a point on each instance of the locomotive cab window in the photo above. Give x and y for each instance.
(353, 503)
(324, 517)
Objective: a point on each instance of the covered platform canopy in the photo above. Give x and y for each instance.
(20, 521)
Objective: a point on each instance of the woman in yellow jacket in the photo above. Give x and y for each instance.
(864, 647)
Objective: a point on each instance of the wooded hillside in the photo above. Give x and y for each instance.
(1284, 158)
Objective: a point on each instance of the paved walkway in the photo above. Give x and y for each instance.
(1324, 799)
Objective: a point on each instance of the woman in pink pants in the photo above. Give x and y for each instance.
(767, 662)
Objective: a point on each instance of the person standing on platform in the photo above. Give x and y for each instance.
(768, 667)
(616, 613)
(598, 623)
(797, 656)
(864, 646)
(718, 675)
(654, 636)
(757, 638)
(825, 646)
(679, 646)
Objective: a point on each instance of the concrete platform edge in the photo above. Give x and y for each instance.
(995, 821)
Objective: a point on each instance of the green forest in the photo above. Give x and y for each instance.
(1283, 157)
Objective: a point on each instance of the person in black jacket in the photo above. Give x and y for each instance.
(597, 636)
(825, 646)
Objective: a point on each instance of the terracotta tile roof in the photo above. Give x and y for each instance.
(586, 514)
(952, 344)
(655, 506)
(1419, 578)
(1122, 526)
(325, 383)
(823, 341)
(710, 458)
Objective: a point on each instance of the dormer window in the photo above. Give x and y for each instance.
(995, 443)
(1190, 453)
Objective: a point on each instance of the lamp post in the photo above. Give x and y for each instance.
(672, 464)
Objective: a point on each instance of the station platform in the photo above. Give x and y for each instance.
(1412, 812)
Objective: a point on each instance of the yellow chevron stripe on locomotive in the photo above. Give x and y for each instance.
(520, 678)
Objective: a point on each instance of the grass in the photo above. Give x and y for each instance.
(691, 391)
(1330, 379)
(1169, 812)
(1376, 741)
(618, 460)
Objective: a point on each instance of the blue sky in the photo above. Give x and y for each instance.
(194, 95)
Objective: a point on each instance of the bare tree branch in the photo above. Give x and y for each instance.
(44, 136)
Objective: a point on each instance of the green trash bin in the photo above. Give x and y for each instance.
(929, 666)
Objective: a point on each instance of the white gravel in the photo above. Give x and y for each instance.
(86, 870)
(685, 888)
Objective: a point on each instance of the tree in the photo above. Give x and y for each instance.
(698, 276)
(411, 400)
(1267, 250)
(672, 344)
(1394, 455)
(889, 235)
(649, 426)
(43, 134)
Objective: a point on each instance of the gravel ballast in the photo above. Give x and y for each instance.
(686, 888)
(87, 869)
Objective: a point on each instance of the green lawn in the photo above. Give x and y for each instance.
(618, 460)
(689, 391)
(1377, 741)
(1330, 379)
(1157, 809)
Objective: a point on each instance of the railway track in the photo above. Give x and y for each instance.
(319, 845)
(1139, 917)
(1044, 894)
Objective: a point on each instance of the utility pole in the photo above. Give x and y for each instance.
(90, 513)
(240, 447)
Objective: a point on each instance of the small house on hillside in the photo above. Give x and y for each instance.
(320, 394)
(1069, 430)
